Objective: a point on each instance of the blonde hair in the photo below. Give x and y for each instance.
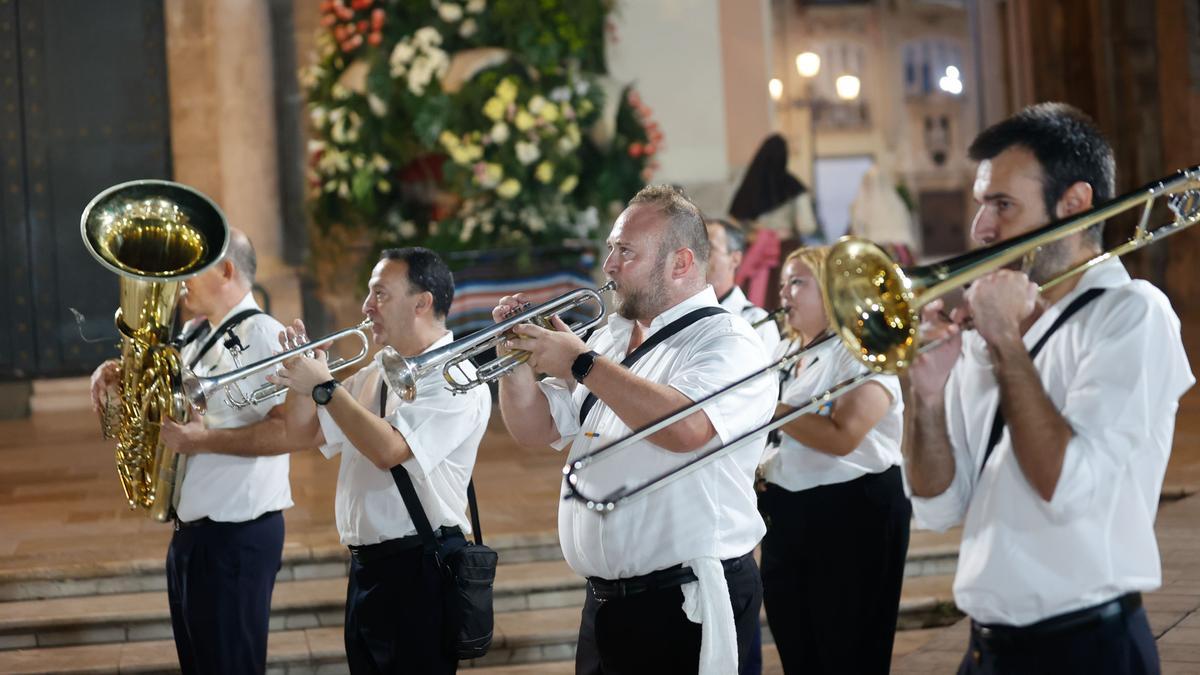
(814, 258)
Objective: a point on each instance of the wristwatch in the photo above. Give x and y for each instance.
(323, 393)
(583, 365)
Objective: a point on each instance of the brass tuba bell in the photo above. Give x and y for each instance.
(154, 234)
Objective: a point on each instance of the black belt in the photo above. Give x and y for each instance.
(370, 553)
(1000, 637)
(205, 521)
(671, 577)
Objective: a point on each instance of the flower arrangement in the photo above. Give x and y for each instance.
(471, 124)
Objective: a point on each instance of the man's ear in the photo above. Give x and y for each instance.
(684, 260)
(424, 302)
(228, 270)
(1077, 199)
(736, 257)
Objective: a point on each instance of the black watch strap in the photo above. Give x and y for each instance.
(323, 393)
(583, 365)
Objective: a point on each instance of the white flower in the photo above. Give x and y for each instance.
(378, 107)
(339, 92)
(381, 165)
(468, 228)
(401, 55)
(408, 229)
(527, 152)
(565, 144)
(358, 162)
(427, 36)
(343, 189)
(449, 12)
(476, 6)
(420, 75)
(318, 116)
(467, 28)
(536, 104)
(535, 222)
(560, 93)
(499, 132)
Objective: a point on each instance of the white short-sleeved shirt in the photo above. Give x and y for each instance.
(711, 512)
(443, 431)
(797, 467)
(736, 302)
(227, 488)
(1115, 371)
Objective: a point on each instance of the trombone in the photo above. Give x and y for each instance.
(874, 307)
(198, 390)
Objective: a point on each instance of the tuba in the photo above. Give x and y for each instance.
(153, 234)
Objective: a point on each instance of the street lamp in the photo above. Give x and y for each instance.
(808, 66)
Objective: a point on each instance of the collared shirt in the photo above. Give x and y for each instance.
(736, 302)
(442, 431)
(228, 488)
(1115, 371)
(798, 467)
(711, 512)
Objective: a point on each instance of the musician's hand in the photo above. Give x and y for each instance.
(999, 302)
(928, 373)
(301, 373)
(507, 306)
(552, 352)
(104, 381)
(186, 439)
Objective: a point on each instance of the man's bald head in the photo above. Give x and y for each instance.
(241, 254)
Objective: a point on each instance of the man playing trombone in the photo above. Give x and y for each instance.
(672, 584)
(1048, 427)
(395, 608)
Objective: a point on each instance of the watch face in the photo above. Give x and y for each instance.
(322, 393)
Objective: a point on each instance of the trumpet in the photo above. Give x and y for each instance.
(403, 373)
(198, 390)
(873, 306)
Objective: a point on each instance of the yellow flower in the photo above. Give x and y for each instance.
(507, 90)
(585, 107)
(472, 152)
(549, 112)
(494, 108)
(545, 171)
(524, 120)
(509, 188)
(568, 186)
(448, 139)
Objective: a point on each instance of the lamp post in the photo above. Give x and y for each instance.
(848, 88)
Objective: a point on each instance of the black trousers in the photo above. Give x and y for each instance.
(832, 568)
(649, 633)
(1121, 646)
(395, 614)
(219, 582)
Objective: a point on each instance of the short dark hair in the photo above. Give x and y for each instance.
(735, 236)
(1065, 142)
(240, 252)
(685, 223)
(426, 272)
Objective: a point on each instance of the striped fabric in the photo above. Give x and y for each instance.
(474, 298)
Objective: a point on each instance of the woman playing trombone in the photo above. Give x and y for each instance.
(837, 516)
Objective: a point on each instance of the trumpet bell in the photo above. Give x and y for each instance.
(871, 305)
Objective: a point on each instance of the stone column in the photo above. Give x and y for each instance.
(223, 134)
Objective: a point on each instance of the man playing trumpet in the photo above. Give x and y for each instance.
(395, 619)
(672, 584)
